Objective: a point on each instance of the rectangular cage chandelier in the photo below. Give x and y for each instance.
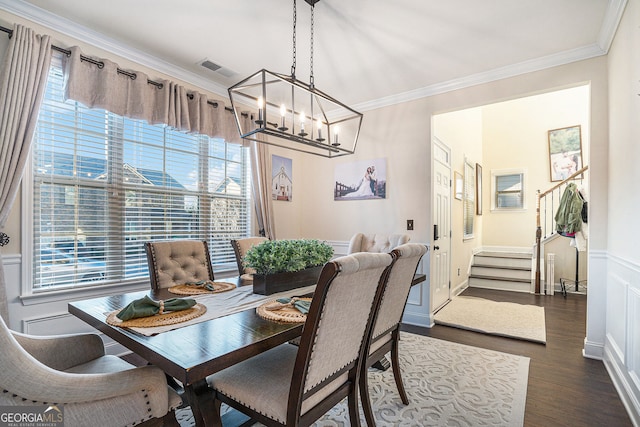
(280, 110)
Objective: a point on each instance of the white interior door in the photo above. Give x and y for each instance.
(441, 234)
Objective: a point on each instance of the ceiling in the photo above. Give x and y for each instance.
(366, 52)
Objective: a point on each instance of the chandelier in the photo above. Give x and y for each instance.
(289, 113)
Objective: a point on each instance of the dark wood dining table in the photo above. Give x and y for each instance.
(193, 352)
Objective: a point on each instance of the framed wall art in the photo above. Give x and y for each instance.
(565, 152)
(281, 178)
(365, 179)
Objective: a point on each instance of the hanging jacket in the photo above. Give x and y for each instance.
(569, 215)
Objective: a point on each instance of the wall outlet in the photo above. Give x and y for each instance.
(409, 224)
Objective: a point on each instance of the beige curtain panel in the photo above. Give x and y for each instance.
(163, 103)
(261, 185)
(23, 78)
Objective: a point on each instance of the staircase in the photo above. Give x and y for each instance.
(507, 271)
(546, 206)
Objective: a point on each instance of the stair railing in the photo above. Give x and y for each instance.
(546, 205)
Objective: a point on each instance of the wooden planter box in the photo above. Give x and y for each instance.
(271, 283)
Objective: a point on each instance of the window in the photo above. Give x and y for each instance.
(104, 184)
(469, 199)
(508, 190)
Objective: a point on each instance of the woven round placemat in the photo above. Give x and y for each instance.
(286, 313)
(170, 318)
(198, 290)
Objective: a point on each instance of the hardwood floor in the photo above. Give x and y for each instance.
(564, 389)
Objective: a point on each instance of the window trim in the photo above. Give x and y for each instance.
(512, 171)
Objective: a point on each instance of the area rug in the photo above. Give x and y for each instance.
(448, 384)
(496, 318)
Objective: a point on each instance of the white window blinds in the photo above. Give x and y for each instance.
(105, 184)
(509, 191)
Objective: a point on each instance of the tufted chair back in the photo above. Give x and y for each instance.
(376, 242)
(176, 262)
(240, 248)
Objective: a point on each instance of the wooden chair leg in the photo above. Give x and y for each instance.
(366, 400)
(352, 401)
(397, 375)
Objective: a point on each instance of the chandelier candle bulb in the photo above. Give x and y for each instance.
(320, 138)
(283, 113)
(302, 118)
(335, 137)
(260, 111)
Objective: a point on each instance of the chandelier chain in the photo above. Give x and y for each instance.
(311, 82)
(293, 64)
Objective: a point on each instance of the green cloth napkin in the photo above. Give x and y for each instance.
(145, 307)
(301, 305)
(205, 284)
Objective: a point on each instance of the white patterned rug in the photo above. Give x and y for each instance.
(506, 319)
(448, 384)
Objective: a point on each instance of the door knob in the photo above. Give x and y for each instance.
(436, 247)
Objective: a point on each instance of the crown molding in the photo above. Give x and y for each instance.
(72, 29)
(62, 25)
(529, 66)
(610, 23)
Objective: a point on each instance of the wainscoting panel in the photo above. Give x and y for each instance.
(633, 345)
(617, 315)
(622, 344)
(44, 325)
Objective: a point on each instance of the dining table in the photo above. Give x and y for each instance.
(190, 353)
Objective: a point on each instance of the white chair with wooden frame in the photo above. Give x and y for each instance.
(361, 242)
(240, 248)
(385, 335)
(72, 373)
(294, 386)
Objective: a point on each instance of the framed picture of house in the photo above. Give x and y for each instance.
(281, 178)
(565, 152)
(364, 179)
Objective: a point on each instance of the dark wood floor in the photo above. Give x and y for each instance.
(565, 389)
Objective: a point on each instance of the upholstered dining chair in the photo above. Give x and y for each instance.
(176, 262)
(240, 248)
(361, 242)
(385, 335)
(72, 373)
(295, 385)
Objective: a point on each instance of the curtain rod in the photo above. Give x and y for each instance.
(100, 64)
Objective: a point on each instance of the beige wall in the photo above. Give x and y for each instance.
(515, 136)
(624, 160)
(401, 135)
(462, 132)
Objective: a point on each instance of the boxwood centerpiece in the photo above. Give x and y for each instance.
(286, 264)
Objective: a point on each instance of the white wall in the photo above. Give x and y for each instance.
(621, 289)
